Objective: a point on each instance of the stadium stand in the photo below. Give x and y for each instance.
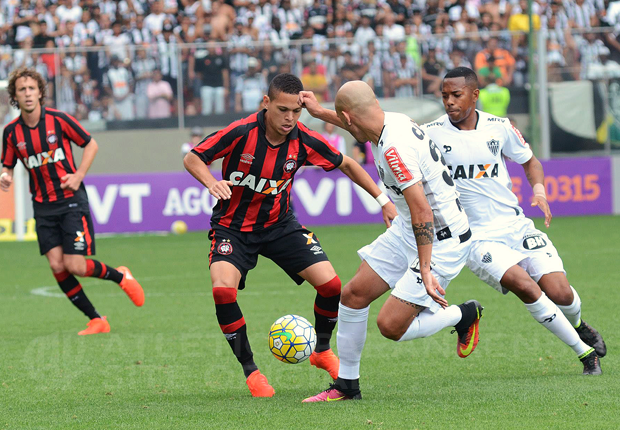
(101, 57)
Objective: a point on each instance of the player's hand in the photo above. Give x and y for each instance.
(542, 203)
(71, 181)
(433, 288)
(389, 213)
(308, 100)
(5, 182)
(221, 190)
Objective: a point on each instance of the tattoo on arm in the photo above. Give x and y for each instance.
(424, 233)
(537, 167)
(413, 305)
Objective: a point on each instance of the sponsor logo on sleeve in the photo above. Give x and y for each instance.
(397, 165)
(519, 135)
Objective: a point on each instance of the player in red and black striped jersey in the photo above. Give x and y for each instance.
(41, 139)
(261, 155)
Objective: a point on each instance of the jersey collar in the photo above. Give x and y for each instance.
(42, 118)
(451, 125)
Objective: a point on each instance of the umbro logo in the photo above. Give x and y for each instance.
(486, 258)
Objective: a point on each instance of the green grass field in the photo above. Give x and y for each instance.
(167, 365)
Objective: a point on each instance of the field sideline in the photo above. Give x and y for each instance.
(167, 365)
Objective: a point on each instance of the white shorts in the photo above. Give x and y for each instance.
(394, 257)
(521, 245)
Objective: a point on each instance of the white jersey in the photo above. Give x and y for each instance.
(405, 155)
(477, 165)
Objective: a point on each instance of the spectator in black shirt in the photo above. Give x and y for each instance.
(210, 66)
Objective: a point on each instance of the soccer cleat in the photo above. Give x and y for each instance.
(326, 360)
(467, 328)
(332, 394)
(259, 386)
(591, 363)
(131, 287)
(96, 325)
(592, 338)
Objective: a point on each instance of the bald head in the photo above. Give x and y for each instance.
(355, 97)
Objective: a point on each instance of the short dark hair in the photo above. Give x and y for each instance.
(464, 72)
(284, 83)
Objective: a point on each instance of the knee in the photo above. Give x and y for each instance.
(224, 295)
(353, 297)
(388, 329)
(75, 267)
(331, 288)
(523, 287)
(561, 295)
(57, 266)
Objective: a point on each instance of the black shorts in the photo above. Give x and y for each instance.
(72, 230)
(290, 245)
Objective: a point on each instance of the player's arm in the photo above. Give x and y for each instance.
(199, 170)
(358, 175)
(308, 100)
(73, 181)
(6, 178)
(536, 177)
(424, 232)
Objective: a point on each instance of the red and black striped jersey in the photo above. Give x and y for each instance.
(45, 151)
(262, 174)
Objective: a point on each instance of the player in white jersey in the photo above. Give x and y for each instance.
(430, 221)
(508, 252)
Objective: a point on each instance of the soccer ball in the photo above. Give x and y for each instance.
(178, 227)
(292, 339)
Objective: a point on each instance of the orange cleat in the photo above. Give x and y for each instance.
(96, 325)
(131, 287)
(326, 360)
(259, 386)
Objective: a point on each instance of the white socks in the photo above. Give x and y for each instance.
(547, 313)
(351, 337)
(428, 323)
(572, 312)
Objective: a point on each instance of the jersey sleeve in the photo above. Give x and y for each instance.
(320, 152)
(9, 153)
(221, 143)
(73, 129)
(516, 148)
(404, 165)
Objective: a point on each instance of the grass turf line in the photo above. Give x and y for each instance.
(167, 365)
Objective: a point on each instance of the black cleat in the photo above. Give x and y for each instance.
(591, 337)
(591, 364)
(467, 328)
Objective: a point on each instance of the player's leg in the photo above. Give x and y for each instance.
(545, 266)
(50, 237)
(384, 262)
(500, 266)
(79, 242)
(230, 259)
(410, 313)
(558, 289)
(323, 278)
(298, 252)
(365, 287)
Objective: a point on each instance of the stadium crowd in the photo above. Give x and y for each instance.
(128, 59)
